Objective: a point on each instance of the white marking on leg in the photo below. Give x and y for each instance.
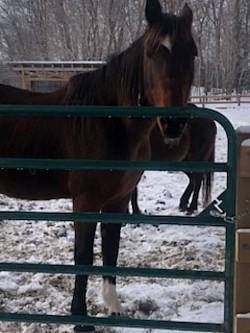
(110, 298)
(166, 41)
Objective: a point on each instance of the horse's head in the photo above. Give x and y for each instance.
(169, 54)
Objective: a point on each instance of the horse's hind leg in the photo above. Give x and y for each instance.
(110, 250)
(197, 180)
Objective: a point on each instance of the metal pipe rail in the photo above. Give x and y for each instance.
(205, 219)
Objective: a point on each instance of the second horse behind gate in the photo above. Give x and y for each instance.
(196, 144)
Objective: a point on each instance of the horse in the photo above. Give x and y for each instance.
(196, 144)
(156, 70)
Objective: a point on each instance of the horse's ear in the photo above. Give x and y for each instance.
(187, 14)
(153, 11)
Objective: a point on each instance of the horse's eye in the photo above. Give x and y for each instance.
(151, 51)
(165, 49)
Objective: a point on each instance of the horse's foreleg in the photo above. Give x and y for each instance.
(183, 205)
(84, 242)
(110, 250)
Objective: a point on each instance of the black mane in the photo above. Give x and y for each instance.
(117, 80)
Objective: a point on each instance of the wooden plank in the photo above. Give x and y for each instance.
(242, 264)
(244, 166)
(242, 323)
(242, 289)
(243, 246)
(243, 177)
(243, 203)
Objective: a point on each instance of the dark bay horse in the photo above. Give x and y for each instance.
(196, 144)
(158, 69)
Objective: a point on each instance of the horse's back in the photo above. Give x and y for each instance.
(16, 96)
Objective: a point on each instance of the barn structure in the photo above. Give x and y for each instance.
(46, 76)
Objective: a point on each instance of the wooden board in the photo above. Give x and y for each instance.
(242, 324)
(244, 170)
(243, 246)
(242, 262)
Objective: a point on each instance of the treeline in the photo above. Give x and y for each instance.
(71, 30)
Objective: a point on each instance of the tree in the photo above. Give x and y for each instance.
(93, 29)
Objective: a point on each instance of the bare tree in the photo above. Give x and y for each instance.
(93, 29)
(241, 46)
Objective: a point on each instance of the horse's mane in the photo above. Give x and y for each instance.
(118, 80)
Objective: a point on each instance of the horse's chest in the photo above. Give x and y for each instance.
(124, 181)
(119, 184)
(127, 180)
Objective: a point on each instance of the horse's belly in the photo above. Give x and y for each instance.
(33, 184)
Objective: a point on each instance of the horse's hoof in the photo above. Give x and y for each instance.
(192, 212)
(85, 329)
(119, 315)
(116, 314)
(183, 209)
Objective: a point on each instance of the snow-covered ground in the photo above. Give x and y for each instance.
(166, 246)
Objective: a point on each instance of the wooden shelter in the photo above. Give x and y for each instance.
(45, 75)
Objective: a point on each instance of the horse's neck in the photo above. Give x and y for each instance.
(138, 136)
(116, 83)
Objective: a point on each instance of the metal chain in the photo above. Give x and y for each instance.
(230, 219)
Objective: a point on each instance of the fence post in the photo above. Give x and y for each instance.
(242, 264)
(203, 101)
(238, 99)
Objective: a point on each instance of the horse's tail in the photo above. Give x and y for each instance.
(207, 181)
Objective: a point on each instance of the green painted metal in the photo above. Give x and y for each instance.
(115, 322)
(225, 220)
(110, 165)
(110, 271)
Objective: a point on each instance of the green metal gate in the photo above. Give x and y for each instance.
(220, 213)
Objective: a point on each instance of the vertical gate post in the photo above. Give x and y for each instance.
(242, 264)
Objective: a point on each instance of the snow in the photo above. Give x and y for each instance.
(165, 246)
(245, 315)
(243, 231)
(246, 143)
